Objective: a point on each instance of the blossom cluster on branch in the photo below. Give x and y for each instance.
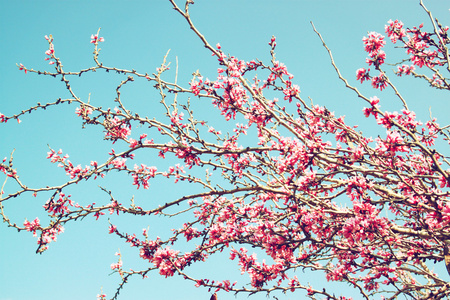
(285, 193)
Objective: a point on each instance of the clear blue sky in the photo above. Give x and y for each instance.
(138, 34)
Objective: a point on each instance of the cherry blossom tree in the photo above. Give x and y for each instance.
(290, 180)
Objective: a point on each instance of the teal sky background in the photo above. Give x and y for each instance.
(137, 36)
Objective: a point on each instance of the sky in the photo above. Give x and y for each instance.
(137, 36)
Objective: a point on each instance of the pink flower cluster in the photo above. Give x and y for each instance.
(395, 30)
(142, 174)
(119, 163)
(303, 187)
(55, 156)
(71, 170)
(32, 226)
(117, 129)
(51, 50)
(95, 39)
(84, 111)
(60, 206)
(373, 44)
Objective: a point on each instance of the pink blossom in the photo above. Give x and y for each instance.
(117, 129)
(112, 229)
(133, 143)
(374, 101)
(98, 214)
(22, 67)
(117, 265)
(55, 156)
(395, 30)
(272, 42)
(49, 236)
(32, 226)
(118, 163)
(163, 258)
(95, 39)
(374, 42)
(405, 69)
(290, 92)
(362, 74)
(142, 174)
(379, 82)
(84, 111)
(376, 58)
(101, 296)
